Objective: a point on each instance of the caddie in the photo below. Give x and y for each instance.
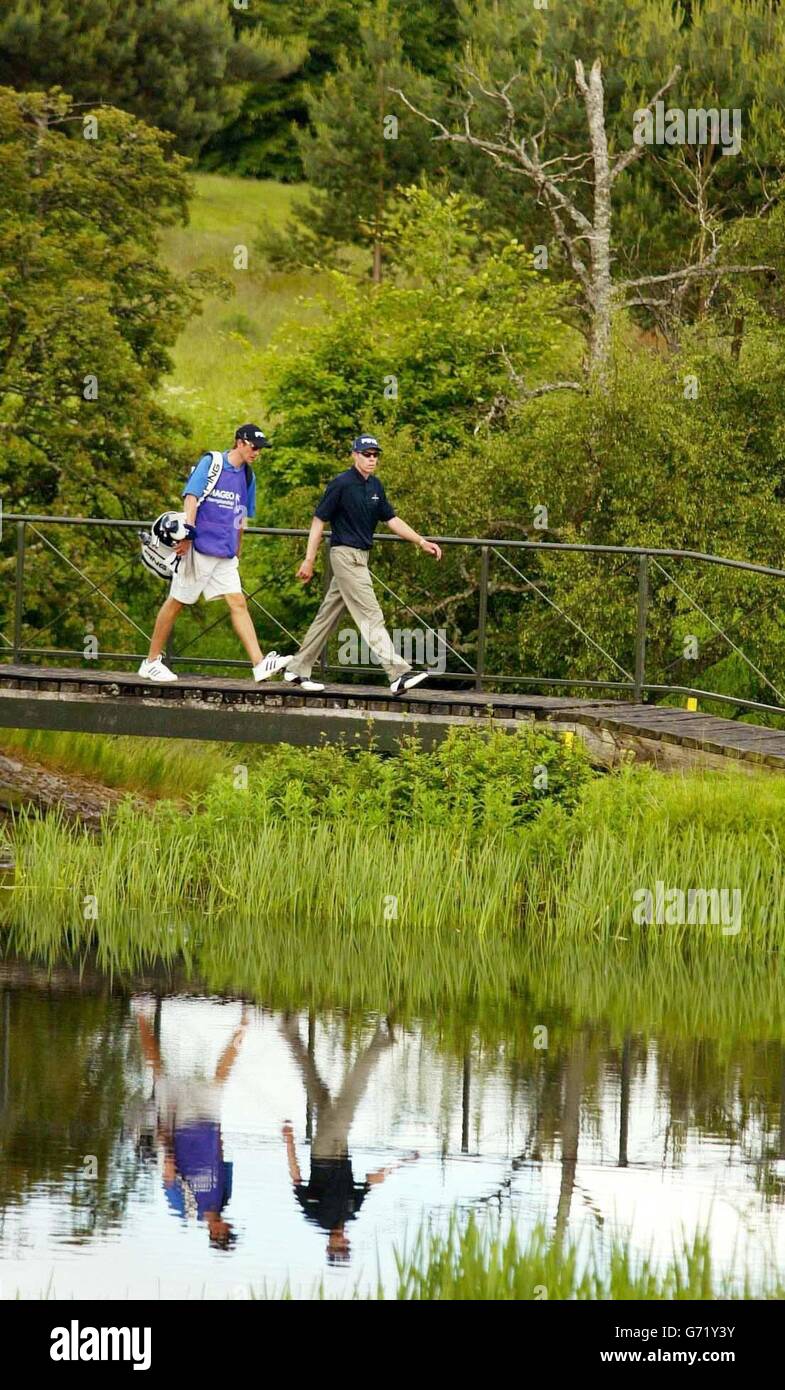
(216, 511)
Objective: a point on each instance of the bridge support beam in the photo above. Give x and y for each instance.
(235, 711)
(227, 723)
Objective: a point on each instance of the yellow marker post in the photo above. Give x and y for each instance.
(692, 702)
(568, 737)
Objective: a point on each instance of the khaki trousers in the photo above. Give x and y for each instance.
(351, 587)
(334, 1117)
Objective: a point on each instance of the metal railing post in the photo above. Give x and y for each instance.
(640, 636)
(326, 580)
(19, 594)
(482, 618)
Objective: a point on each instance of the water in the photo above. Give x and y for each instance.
(145, 1148)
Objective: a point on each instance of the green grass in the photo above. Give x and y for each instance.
(339, 902)
(213, 385)
(159, 767)
(474, 1261)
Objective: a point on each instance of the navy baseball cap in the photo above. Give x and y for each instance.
(365, 441)
(253, 435)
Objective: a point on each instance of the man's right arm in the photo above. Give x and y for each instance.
(325, 511)
(305, 572)
(191, 493)
(291, 1154)
(190, 509)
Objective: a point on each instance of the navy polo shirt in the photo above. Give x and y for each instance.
(354, 506)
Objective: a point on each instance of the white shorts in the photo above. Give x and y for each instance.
(210, 575)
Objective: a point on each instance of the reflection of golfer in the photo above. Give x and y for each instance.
(354, 503)
(196, 1177)
(331, 1197)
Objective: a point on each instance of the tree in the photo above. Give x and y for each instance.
(178, 64)
(518, 139)
(426, 351)
(261, 139)
(87, 315)
(731, 56)
(359, 146)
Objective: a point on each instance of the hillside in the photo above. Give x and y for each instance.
(211, 386)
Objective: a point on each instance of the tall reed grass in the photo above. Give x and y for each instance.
(476, 1260)
(265, 892)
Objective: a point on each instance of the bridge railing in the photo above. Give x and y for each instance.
(633, 683)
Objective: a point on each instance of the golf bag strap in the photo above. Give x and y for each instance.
(213, 474)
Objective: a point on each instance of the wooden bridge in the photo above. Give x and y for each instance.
(204, 707)
(86, 699)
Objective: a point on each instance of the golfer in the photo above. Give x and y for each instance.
(210, 559)
(354, 503)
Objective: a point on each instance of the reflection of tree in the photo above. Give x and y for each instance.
(63, 1069)
(624, 1099)
(734, 1096)
(570, 1129)
(466, 1090)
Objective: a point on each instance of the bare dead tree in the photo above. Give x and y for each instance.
(586, 239)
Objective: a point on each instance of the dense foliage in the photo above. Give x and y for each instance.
(88, 314)
(181, 66)
(485, 781)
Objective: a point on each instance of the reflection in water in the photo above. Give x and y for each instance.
(186, 1124)
(135, 1124)
(331, 1197)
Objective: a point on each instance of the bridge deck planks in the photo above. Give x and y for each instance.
(639, 724)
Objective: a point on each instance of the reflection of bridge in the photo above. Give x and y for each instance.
(83, 698)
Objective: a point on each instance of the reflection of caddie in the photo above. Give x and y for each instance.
(354, 503)
(210, 557)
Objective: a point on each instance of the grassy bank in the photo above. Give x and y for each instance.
(461, 838)
(431, 880)
(171, 768)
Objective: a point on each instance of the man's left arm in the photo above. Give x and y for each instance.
(402, 529)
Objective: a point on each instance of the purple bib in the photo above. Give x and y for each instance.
(220, 517)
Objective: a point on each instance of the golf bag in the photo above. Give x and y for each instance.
(157, 544)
